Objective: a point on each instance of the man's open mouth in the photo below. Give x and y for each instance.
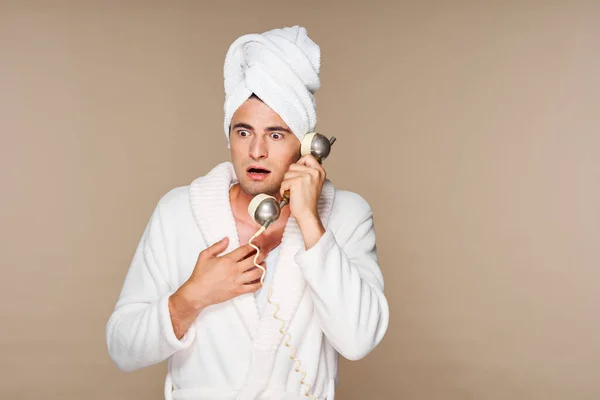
(258, 173)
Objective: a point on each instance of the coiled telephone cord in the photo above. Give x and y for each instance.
(286, 334)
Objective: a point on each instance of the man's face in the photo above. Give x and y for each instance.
(262, 148)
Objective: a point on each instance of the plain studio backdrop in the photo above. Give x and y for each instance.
(472, 129)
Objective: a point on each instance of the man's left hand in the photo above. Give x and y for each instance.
(304, 180)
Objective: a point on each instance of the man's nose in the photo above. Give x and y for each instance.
(258, 148)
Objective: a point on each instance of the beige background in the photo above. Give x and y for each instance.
(473, 130)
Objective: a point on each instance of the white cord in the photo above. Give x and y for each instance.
(282, 330)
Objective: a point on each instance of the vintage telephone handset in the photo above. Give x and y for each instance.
(265, 209)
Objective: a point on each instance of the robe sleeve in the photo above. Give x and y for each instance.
(139, 332)
(347, 286)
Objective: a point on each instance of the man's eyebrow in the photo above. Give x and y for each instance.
(242, 125)
(278, 129)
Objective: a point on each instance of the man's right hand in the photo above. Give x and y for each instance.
(215, 279)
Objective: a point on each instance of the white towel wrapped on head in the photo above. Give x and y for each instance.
(281, 67)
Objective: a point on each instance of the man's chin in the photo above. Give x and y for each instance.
(255, 188)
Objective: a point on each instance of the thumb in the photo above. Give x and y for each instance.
(217, 247)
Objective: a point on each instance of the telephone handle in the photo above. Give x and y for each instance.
(319, 146)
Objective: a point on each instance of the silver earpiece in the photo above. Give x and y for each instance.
(265, 209)
(318, 145)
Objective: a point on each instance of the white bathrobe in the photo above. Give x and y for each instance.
(331, 297)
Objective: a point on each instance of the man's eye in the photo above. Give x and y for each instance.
(243, 133)
(276, 136)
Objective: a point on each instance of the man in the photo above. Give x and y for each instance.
(193, 294)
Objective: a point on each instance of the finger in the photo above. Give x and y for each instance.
(300, 168)
(309, 160)
(241, 252)
(248, 263)
(309, 168)
(250, 287)
(290, 183)
(251, 254)
(215, 249)
(253, 274)
(292, 174)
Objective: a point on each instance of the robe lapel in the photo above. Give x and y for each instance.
(209, 197)
(289, 286)
(288, 282)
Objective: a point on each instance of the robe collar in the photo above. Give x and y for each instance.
(209, 197)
